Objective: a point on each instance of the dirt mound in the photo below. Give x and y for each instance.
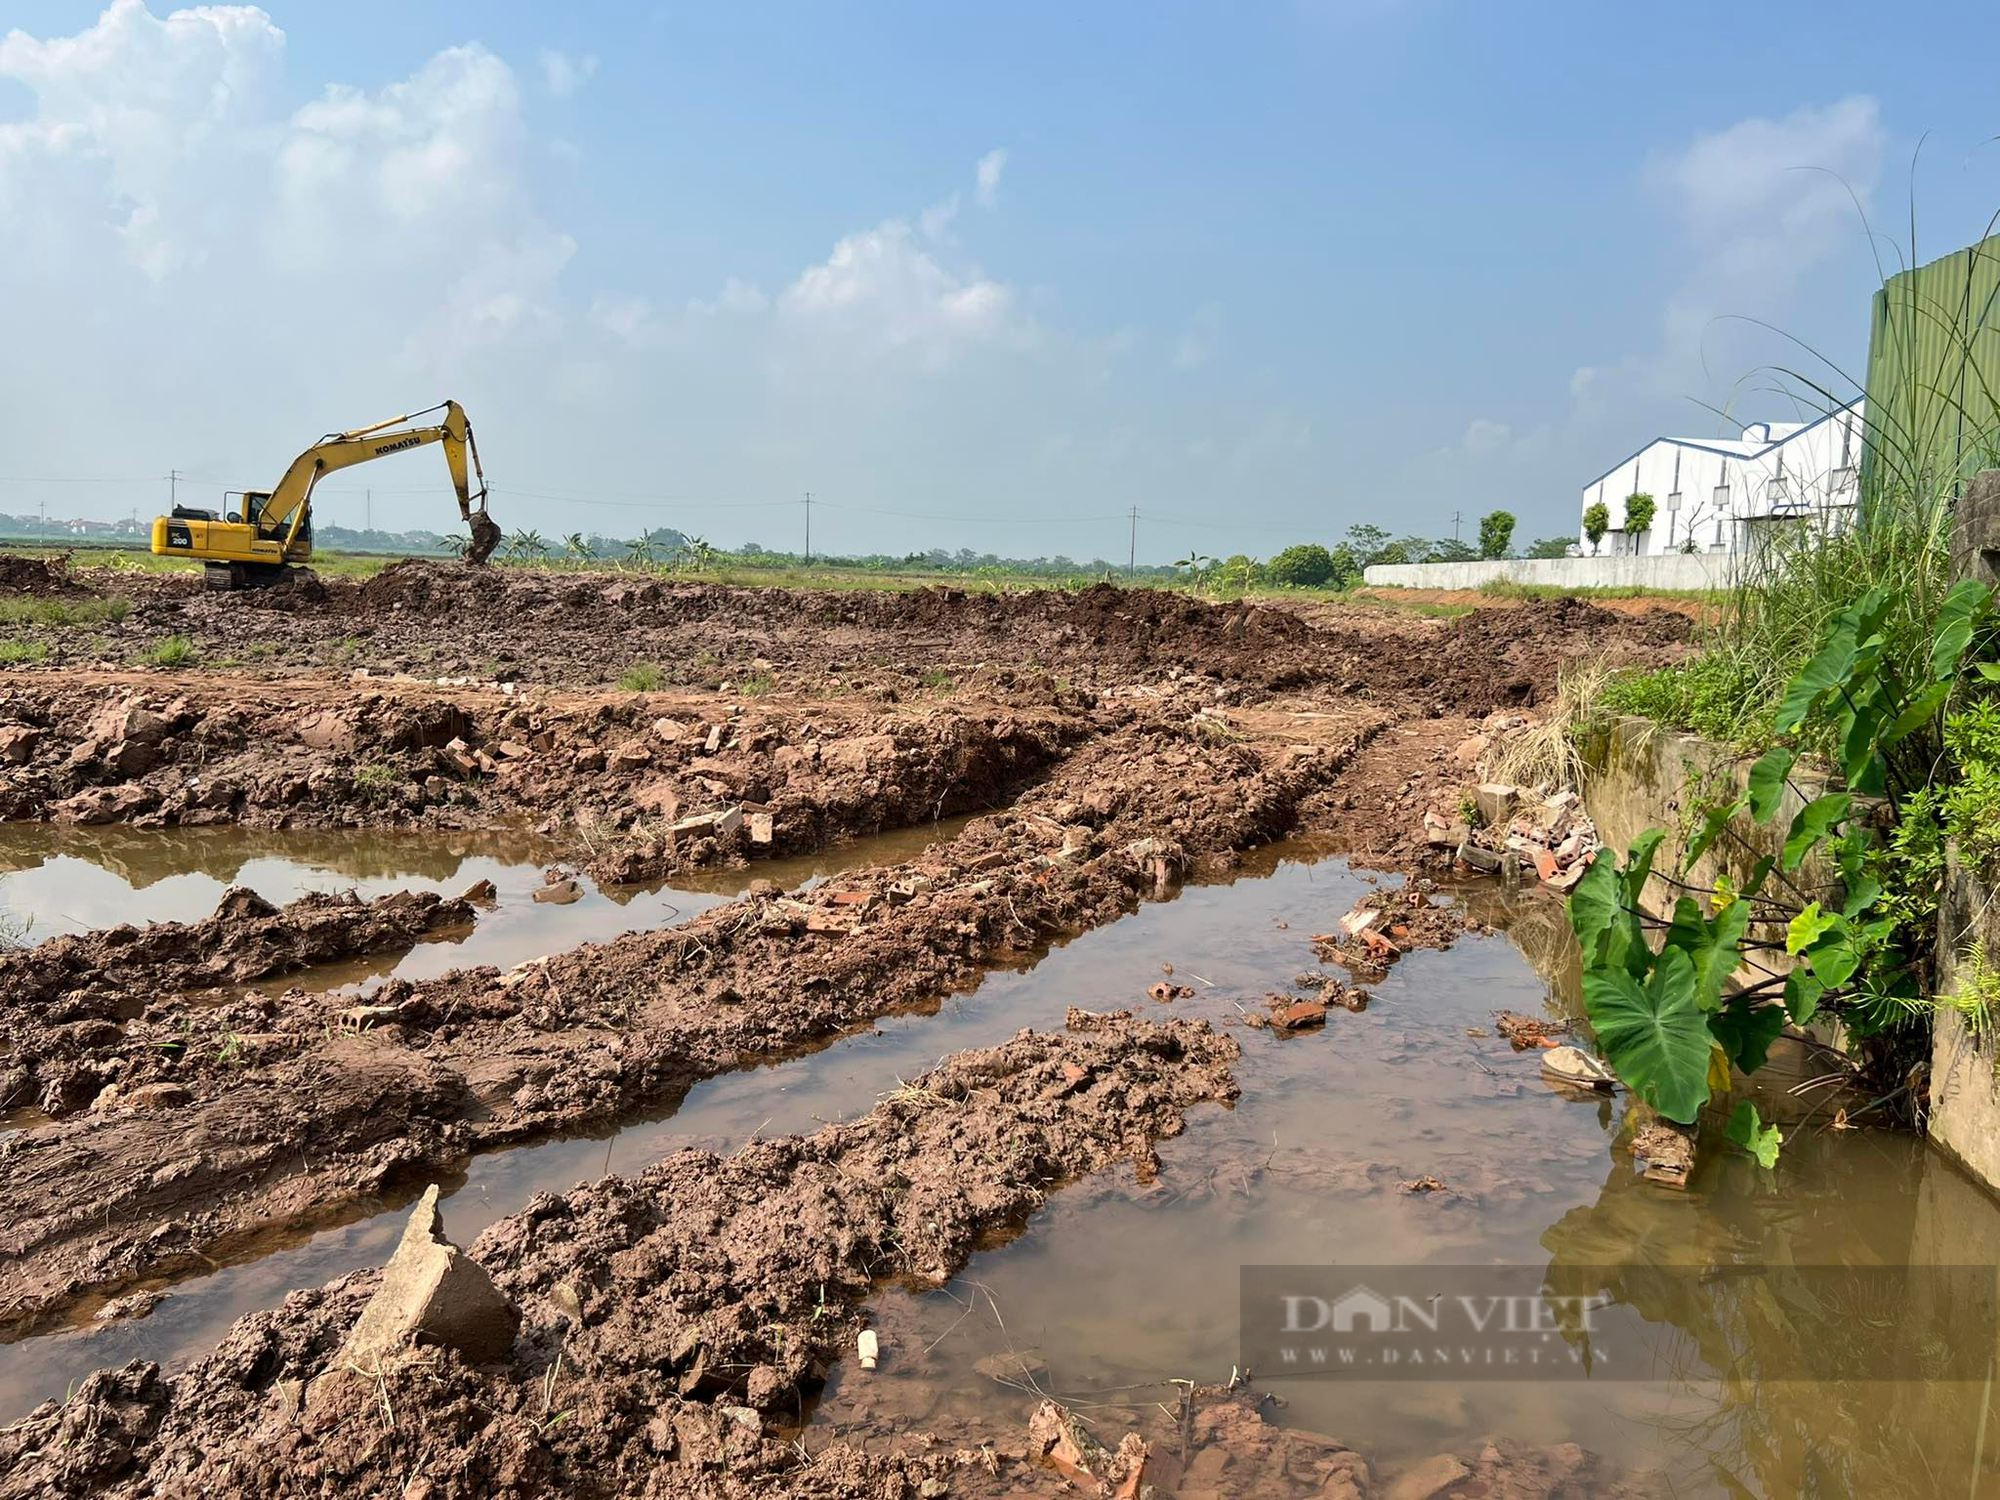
(673, 1318)
(86, 1013)
(621, 772)
(1509, 658)
(44, 577)
(1077, 632)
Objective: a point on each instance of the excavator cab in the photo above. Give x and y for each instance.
(271, 533)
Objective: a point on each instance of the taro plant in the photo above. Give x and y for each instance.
(1658, 989)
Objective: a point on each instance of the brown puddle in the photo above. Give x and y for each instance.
(1121, 1287)
(59, 880)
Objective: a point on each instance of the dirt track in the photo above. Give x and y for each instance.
(1123, 741)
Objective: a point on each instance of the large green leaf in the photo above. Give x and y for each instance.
(1654, 1035)
(1767, 782)
(1957, 617)
(1834, 960)
(1597, 902)
(1815, 821)
(1713, 822)
(1639, 864)
(1829, 667)
(1802, 992)
(1746, 1031)
(1922, 710)
(1748, 1130)
(1807, 928)
(1718, 958)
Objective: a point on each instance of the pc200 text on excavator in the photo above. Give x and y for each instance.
(263, 542)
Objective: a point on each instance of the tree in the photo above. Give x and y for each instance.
(1305, 566)
(1596, 521)
(1391, 552)
(1551, 546)
(1449, 549)
(1366, 543)
(575, 548)
(1496, 533)
(1638, 512)
(1346, 567)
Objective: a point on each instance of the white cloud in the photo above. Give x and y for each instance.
(882, 291)
(563, 75)
(1484, 436)
(1759, 206)
(991, 165)
(1200, 339)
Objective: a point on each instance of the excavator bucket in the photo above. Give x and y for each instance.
(486, 538)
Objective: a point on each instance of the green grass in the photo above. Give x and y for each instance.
(642, 678)
(756, 684)
(1508, 588)
(17, 653)
(60, 612)
(375, 781)
(937, 679)
(173, 651)
(1708, 695)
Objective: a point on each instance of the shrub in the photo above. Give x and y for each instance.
(1496, 533)
(1551, 546)
(1305, 566)
(640, 678)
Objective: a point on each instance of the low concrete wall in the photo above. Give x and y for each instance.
(1965, 1073)
(1706, 570)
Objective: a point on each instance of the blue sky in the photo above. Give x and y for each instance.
(976, 279)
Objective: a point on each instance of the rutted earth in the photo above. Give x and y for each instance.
(1120, 740)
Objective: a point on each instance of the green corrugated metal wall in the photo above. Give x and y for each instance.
(1934, 373)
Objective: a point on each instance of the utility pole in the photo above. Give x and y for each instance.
(173, 490)
(1132, 555)
(368, 510)
(809, 528)
(1456, 517)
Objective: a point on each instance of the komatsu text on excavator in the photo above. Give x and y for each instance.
(260, 543)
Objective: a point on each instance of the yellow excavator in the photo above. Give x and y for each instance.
(260, 543)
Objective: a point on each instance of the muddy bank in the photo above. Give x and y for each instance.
(322, 1108)
(587, 628)
(643, 782)
(674, 1320)
(90, 1012)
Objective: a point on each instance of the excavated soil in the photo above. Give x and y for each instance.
(110, 1010)
(674, 1325)
(1117, 741)
(674, 1318)
(485, 1058)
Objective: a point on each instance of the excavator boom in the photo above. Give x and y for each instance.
(273, 531)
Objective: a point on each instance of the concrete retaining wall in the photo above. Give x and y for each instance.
(1705, 570)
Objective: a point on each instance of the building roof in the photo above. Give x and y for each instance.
(1779, 434)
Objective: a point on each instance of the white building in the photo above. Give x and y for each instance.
(1714, 494)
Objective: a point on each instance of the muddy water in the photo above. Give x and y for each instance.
(1122, 1286)
(57, 880)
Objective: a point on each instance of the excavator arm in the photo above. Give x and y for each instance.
(289, 506)
(275, 528)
